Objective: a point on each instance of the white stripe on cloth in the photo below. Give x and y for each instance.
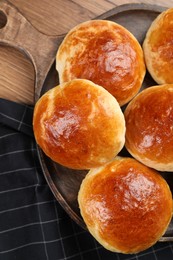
(27, 206)
(7, 135)
(18, 121)
(22, 188)
(20, 169)
(28, 225)
(61, 239)
(39, 214)
(18, 151)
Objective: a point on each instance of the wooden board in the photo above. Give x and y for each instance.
(64, 182)
(18, 34)
(53, 17)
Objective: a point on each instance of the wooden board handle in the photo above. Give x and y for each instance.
(19, 33)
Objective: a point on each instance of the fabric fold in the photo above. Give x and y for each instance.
(16, 116)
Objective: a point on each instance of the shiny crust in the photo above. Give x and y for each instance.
(79, 125)
(126, 206)
(149, 123)
(158, 48)
(105, 53)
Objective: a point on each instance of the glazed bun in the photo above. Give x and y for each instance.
(149, 127)
(158, 48)
(126, 206)
(79, 125)
(107, 54)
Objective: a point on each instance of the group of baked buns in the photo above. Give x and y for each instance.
(124, 201)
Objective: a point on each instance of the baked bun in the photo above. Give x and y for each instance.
(149, 123)
(79, 125)
(158, 48)
(105, 53)
(126, 206)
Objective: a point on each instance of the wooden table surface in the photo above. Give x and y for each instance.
(53, 17)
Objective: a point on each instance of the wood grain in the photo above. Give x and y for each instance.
(16, 76)
(53, 17)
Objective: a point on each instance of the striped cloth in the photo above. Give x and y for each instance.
(32, 223)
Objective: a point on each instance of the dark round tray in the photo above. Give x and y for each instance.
(64, 182)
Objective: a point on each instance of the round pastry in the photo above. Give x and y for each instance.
(158, 48)
(126, 206)
(79, 124)
(149, 127)
(105, 53)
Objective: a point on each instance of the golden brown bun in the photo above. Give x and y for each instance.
(105, 53)
(158, 48)
(149, 123)
(79, 124)
(126, 206)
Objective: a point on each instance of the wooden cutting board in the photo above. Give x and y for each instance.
(53, 17)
